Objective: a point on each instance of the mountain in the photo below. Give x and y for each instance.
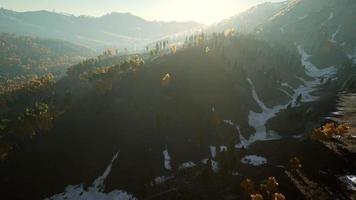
(323, 27)
(21, 55)
(122, 30)
(214, 118)
(129, 106)
(247, 21)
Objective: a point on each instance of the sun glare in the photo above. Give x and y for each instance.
(206, 12)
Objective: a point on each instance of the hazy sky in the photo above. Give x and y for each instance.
(204, 11)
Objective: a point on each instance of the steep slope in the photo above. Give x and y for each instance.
(326, 29)
(34, 56)
(115, 29)
(249, 20)
(144, 116)
(196, 122)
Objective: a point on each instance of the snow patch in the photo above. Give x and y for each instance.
(331, 16)
(353, 56)
(229, 122)
(333, 36)
(234, 173)
(242, 139)
(258, 120)
(214, 164)
(160, 180)
(303, 17)
(297, 136)
(223, 148)
(311, 69)
(213, 109)
(187, 165)
(286, 93)
(286, 85)
(167, 160)
(349, 181)
(254, 160)
(212, 151)
(95, 191)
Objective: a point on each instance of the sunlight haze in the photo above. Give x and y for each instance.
(206, 12)
(177, 99)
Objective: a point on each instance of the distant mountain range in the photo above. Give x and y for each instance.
(122, 30)
(323, 27)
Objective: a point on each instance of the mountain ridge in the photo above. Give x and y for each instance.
(123, 30)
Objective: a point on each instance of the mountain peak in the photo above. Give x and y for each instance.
(121, 15)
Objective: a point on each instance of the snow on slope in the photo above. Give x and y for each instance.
(243, 142)
(187, 165)
(353, 56)
(331, 16)
(254, 160)
(95, 191)
(349, 181)
(258, 120)
(213, 151)
(167, 160)
(333, 36)
(161, 179)
(214, 164)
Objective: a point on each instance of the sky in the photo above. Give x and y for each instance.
(203, 11)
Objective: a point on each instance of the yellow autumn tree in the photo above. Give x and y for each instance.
(173, 49)
(295, 163)
(248, 186)
(166, 80)
(272, 184)
(256, 197)
(278, 196)
(4, 150)
(329, 130)
(207, 49)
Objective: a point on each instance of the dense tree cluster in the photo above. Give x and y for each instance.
(329, 131)
(267, 189)
(33, 120)
(25, 88)
(103, 77)
(196, 39)
(20, 55)
(26, 109)
(158, 47)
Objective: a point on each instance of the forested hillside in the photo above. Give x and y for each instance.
(325, 28)
(261, 112)
(248, 21)
(20, 55)
(186, 101)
